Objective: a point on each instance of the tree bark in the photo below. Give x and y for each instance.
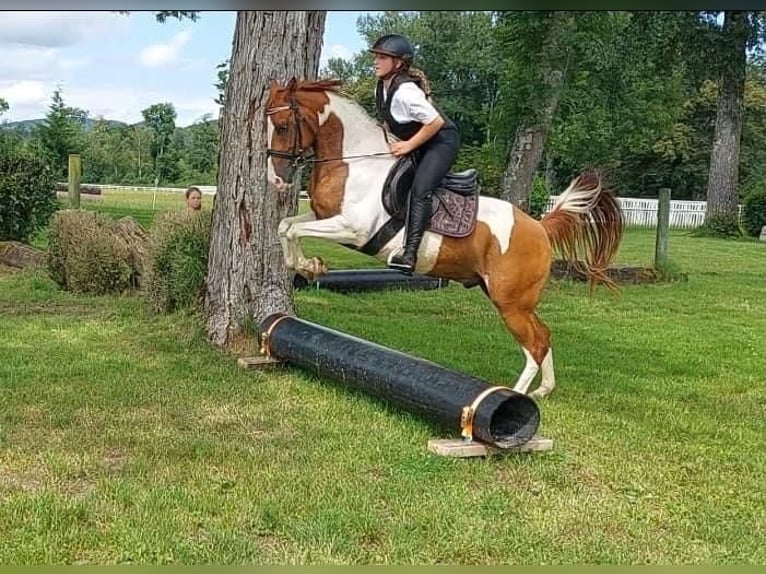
(529, 142)
(723, 177)
(247, 279)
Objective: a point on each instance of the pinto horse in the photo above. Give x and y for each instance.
(358, 193)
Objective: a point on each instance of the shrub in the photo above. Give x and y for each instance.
(722, 226)
(27, 198)
(176, 262)
(754, 212)
(538, 197)
(87, 253)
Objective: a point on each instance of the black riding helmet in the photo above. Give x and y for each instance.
(394, 45)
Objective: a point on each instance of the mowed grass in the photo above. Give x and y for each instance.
(125, 437)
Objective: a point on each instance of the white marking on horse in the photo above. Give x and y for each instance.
(498, 215)
(323, 115)
(549, 378)
(271, 173)
(528, 374)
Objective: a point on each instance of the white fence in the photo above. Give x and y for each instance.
(639, 212)
(642, 212)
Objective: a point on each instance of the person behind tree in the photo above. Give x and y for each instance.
(193, 199)
(402, 98)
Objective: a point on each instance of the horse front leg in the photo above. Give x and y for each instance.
(335, 229)
(292, 249)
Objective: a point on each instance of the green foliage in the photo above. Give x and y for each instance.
(538, 198)
(177, 260)
(61, 133)
(722, 226)
(85, 255)
(754, 212)
(27, 195)
(160, 119)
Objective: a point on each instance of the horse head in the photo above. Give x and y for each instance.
(293, 113)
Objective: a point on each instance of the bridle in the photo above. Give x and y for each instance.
(298, 155)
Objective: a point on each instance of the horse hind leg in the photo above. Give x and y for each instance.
(534, 338)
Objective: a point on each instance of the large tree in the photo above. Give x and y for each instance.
(723, 179)
(247, 279)
(543, 40)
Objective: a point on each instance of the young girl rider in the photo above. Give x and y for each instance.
(403, 102)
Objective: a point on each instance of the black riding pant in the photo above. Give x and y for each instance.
(434, 160)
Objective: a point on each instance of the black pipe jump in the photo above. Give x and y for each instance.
(494, 415)
(358, 280)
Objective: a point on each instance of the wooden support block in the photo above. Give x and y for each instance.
(458, 448)
(258, 362)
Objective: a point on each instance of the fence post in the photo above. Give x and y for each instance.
(663, 226)
(74, 180)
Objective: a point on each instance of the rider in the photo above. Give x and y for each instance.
(403, 102)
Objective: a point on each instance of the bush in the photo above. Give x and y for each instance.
(176, 262)
(27, 197)
(86, 254)
(754, 212)
(721, 226)
(538, 197)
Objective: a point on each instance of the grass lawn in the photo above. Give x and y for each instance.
(124, 437)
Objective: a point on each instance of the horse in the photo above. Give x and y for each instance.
(358, 193)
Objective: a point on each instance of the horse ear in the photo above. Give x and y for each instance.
(273, 84)
(292, 84)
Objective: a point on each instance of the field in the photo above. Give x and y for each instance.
(125, 437)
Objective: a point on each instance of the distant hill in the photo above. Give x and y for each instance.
(29, 125)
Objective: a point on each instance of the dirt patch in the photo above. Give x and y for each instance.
(114, 460)
(619, 274)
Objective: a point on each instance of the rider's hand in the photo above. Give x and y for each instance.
(400, 148)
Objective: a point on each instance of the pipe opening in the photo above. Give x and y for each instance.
(514, 422)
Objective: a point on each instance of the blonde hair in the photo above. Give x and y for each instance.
(422, 80)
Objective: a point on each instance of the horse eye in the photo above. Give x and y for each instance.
(282, 128)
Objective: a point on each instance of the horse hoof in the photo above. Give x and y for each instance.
(313, 269)
(538, 395)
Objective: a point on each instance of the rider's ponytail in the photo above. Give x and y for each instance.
(421, 79)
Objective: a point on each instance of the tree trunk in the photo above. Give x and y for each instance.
(247, 279)
(723, 177)
(528, 145)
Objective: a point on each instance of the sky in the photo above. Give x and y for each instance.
(114, 65)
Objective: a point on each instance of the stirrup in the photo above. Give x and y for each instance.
(403, 267)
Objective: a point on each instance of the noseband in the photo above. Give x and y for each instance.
(297, 155)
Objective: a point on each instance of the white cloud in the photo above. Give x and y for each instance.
(124, 103)
(36, 63)
(24, 92)
(334, 51)
(55, 29)
(156, 55)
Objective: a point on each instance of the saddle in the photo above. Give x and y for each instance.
(456, 198)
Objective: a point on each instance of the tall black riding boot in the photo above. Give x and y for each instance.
(418, 217)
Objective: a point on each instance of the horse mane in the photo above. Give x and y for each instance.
(331, 84)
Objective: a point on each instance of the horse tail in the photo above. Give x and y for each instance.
(586, 226)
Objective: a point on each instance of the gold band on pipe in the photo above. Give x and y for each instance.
(466, 417)
(265, 348)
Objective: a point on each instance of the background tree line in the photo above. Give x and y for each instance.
(538, 97)
(154, 151)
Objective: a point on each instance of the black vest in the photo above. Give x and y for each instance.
(406, 130)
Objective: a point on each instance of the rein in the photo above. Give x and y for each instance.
(298, 155)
